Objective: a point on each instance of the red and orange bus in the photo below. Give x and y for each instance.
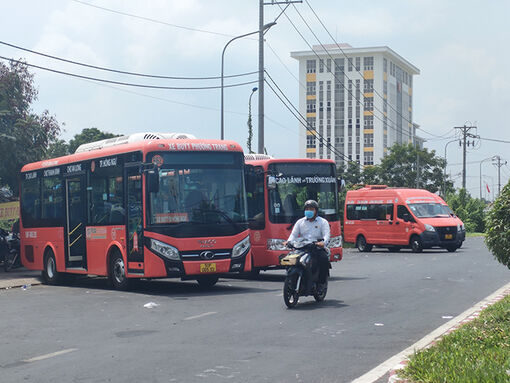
(141, 206)
(277, 190)
(394, 218)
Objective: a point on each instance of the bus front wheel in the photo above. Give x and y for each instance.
(50, 274)
(362, 245)
(118, 272)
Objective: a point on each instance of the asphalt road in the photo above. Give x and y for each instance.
(378, 304)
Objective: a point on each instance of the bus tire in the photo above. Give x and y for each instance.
(362, 245)
(452, 248)
(416, 244)
(394, 249)
(207, 281)
(118, 277)
(50, 274)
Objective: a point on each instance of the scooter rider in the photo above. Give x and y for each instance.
(312, 227)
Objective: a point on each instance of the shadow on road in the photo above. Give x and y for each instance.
(313, 305)
(171, 288)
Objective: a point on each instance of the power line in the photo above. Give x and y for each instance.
(285, 66)
(125, 83)
(343, 73)
(304, 122)
(152, 20)
(494, 140)
(331, 57)
(339, 47)
(121, 71)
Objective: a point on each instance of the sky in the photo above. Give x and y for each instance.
(460, 47)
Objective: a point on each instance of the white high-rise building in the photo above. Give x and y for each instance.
(357, 100)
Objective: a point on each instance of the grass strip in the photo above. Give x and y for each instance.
(478, 351)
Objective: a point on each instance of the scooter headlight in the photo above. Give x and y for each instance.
(335, 242)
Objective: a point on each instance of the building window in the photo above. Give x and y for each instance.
(349, 66)
(368, 104)
(358, 63)
(311, 66)
(368, 122)
(321, 66)
(310, 88)
(310, 141)
(368, 63)
(385, 65)
(310, 106)
(368, 86)
(328, 65)
(339, 66)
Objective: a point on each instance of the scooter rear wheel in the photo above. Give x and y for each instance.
(290, 296)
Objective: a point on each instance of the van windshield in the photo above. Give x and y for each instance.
(430, 210)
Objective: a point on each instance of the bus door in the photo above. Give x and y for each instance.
(404, 228)
(134, 227)
(75, 222)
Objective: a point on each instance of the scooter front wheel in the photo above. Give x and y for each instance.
(290, 296)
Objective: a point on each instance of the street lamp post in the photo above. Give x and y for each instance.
(250, 128)
(267, 26)
(481, 162)
(444, 175)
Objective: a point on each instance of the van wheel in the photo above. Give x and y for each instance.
(416, 244)
(451, 248)
(394, 249)
(118, 277)
(50, 274)
(362, 245)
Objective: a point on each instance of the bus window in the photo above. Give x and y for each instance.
(255, 198)
(401, 210)
(52, 200)
(31, 199)
(106, 196)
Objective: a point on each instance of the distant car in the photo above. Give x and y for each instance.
(378, 215)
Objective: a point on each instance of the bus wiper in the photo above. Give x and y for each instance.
(224, 215)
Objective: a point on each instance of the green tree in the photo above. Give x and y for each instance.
(58, 148)
(398, 168)
(24, 135)
(470, 210)
(88, 135)
(498, 227)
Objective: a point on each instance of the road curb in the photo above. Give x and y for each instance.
(466, 317)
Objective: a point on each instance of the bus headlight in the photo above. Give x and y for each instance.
(429, 227)
(276, 244)
(165, 250)
(335, 242)
(241, 247)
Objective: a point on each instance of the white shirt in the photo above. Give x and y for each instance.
(311, 230)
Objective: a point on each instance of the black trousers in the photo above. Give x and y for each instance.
(320, 259)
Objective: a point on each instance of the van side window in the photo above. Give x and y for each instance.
(379, 212)
(401, 210)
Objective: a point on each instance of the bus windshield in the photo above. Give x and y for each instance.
(204, 189)
(430, 210)
(295, 183)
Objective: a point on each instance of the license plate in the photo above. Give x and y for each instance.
(208, 267)
(448, 236)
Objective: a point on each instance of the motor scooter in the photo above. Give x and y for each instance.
(300, 266)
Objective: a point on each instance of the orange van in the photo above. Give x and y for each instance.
(396, 218)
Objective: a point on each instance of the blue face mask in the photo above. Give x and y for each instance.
(309, 214)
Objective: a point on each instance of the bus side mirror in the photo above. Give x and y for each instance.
(153, 180)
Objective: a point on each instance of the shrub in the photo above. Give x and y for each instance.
(498, 227)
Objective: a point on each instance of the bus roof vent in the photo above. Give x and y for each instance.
(257, 157)
(135, 137)
(375, 187)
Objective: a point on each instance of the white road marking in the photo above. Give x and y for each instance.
(200, 315)
(379, 371)
(46, 356)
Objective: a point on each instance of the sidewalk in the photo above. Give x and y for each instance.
(19, 277)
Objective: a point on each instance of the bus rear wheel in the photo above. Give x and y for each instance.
(118, 276)
(362, 245)
(207, 281)
(50, 274)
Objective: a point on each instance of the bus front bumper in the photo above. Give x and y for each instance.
(431, 239)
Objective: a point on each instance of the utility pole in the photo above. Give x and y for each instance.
(499, 162)
(464, 142)
(261, 66)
